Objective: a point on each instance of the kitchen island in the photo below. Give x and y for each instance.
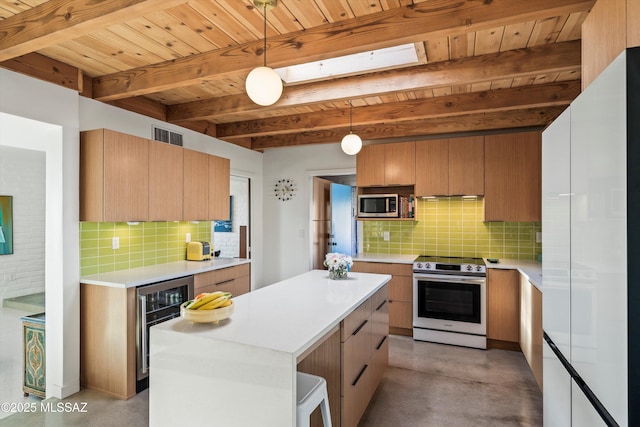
(242, 371)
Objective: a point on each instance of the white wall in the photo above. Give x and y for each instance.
(244, 162)
(22, 175)
(287, 232)
(44, 117)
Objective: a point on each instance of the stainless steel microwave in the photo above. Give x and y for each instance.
(378, 206)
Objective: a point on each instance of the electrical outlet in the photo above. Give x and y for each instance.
(386, 236)
(115, 243)
(188, 238)
(538, 237)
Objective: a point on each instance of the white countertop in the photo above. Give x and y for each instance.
(392, 258)
(531, 269)
(158, 273)
(288, 316)
(246, 365)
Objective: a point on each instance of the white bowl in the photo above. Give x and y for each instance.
(206, 316)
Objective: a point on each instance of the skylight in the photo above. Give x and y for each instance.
(379, 59)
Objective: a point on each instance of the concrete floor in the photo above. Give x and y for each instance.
(439, 385)
(425, 385)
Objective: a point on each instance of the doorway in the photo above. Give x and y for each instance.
(333, 220)
(232, 237)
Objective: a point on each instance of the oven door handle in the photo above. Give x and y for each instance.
(445, 279)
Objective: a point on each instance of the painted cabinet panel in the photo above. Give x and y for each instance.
(599, 238)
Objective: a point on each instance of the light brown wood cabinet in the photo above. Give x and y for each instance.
(432, 171)
(400, 293)
(503, 305)
(610, 27)
(386, 165)
(108, 321)
(512, 170)
(466, 166)
(365, 355)
(531, 327)
(450, 167)
(165, 181)
(127, 178)
(114, 177)
(195, 205)
(236, 280)
(219, 188)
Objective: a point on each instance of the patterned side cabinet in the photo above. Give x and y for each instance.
(33, 344)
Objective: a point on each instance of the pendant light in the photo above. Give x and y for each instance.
(351, 143)
(263, 85)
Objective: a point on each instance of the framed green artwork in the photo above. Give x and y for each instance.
(6, 225)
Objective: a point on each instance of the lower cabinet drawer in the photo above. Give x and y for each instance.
(227, 286)
(356, 352)
(356, 397)
(355, 320)
(379, 363)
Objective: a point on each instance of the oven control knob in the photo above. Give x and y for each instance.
(427, 266)
(469, 268)
(419, 265)
(478, 268)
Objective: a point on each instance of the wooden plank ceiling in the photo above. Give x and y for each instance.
(483, 64)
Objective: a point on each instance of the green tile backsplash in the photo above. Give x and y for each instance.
(453, 227)
(142, 244)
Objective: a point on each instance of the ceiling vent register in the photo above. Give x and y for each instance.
(164, 135)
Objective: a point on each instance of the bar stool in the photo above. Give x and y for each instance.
(311, 391)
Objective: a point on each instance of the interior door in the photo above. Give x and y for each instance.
(320, 221)
(342, 219)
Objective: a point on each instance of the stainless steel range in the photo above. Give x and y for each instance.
(450, 300)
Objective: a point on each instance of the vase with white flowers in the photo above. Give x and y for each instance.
(338, 265)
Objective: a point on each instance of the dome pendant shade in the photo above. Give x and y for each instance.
(351, 144)
(264, 86)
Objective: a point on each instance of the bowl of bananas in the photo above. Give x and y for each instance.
(207, 307)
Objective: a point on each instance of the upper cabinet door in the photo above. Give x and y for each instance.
(370, 166)
(399, 163)
(195, 186)
(432, 167)
(165, 181)
(114, 177)
(466, 166)
(219, 188)
(512, 177)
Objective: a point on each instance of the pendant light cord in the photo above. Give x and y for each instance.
(265, 33)
(350, 117)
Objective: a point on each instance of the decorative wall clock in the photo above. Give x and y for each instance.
(285, 189)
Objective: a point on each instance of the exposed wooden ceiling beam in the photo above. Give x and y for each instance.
(552, 58)
(47, 69)
(56, 21)
(524, 97)
(534, 117)
(391, 27)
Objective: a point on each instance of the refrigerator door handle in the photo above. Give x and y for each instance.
(597, 405)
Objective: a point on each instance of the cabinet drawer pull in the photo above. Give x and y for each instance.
(359, 327)
(364, 368)
(224, 282)
(381, 305)
(382, 342)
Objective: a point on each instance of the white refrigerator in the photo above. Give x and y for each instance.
(591, 238)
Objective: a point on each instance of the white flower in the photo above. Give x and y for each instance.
(335, 260)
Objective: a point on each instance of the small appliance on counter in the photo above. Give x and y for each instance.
(198, 251)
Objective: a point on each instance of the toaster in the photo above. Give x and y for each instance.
(198, 251)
